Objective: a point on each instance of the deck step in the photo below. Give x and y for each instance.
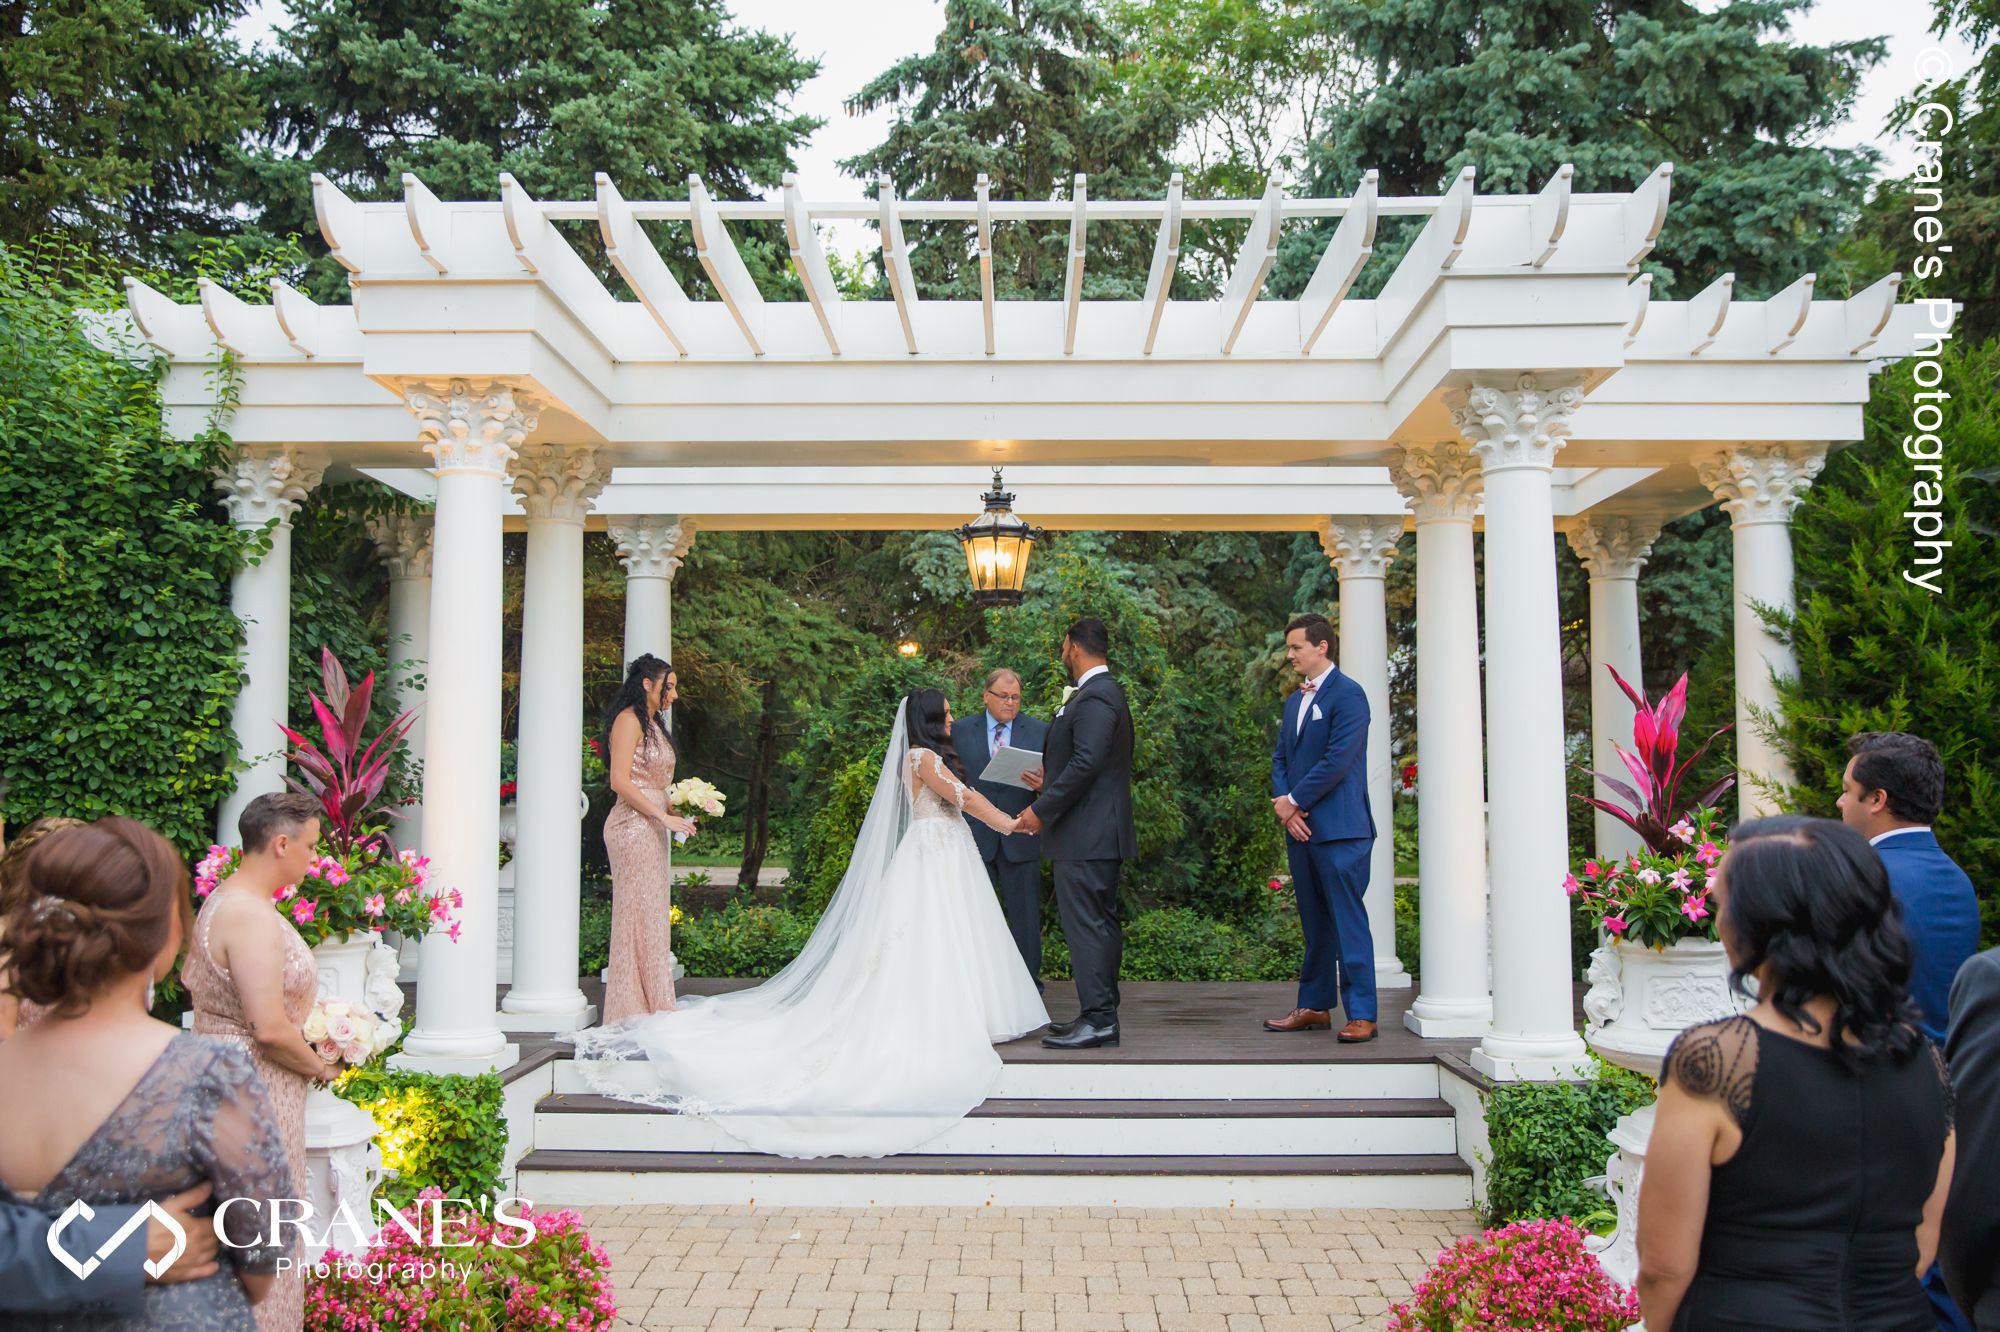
(552, 1176)
(1058, 1128)
(1347, 1079)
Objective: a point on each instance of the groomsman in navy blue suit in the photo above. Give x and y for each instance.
(1890, 794)
(1319, 789)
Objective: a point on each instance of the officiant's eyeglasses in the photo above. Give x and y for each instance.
(999, 697)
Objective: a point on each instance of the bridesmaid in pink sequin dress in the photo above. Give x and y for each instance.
(636, 836)
(253, 980)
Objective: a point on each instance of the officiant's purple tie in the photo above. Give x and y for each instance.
(1000, 735)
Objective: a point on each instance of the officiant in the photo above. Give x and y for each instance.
(1013, 861)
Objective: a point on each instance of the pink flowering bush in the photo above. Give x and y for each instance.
(1653, 899)
(502, 1280)
(1531, 1276)
(360, 891)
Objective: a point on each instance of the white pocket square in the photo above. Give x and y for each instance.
(1316, 714)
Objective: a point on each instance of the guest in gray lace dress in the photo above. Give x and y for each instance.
(105, 1105)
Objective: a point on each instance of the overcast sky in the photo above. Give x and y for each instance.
(851, 52)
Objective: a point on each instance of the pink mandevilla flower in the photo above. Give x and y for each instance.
(1708, 853)
(304, 910)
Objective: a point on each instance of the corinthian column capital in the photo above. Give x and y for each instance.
(404, 540)
(1523, 422)
(1441, 481)
(472, 426)
(259, 483)
(1360, 546)
(1612, 545)
(652, 547)
(559, 481)
(1761, 483)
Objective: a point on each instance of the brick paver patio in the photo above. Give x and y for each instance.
(1019, 1269)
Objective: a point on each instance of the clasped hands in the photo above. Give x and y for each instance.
(1293, 818)
(1027, 821)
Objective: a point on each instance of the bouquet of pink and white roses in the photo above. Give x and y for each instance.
(692, 793)
(348, 1033)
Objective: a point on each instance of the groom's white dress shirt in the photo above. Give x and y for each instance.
(1090, 674)
(1306, 705)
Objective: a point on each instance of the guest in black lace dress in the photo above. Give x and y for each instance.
(1798, 1168)
(106, 1105)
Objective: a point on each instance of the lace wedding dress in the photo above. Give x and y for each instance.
(879, 1035)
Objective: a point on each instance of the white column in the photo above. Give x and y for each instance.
(556, 483)
(472, 431)
(1442, 483)
(1516, 429)
(1612, 547)
(1760, 485)
(259, 486)
(1361, 548)
(404, 540)
(651, 548)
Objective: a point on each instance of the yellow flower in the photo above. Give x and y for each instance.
(673, 915)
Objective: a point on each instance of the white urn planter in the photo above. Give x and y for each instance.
(1640, 998)
(342, 1162)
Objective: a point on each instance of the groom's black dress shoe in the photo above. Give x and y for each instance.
(1063, 1028)
(1081, 1035)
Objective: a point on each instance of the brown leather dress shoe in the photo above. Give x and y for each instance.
(1301, 1019)
(1356, 1032)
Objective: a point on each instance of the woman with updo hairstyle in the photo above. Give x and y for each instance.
(13, 1013)
(1802, 1151)
(637, 837)
(106, 1105)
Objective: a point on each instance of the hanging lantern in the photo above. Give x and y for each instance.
(996, 549)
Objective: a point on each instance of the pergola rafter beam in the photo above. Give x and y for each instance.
(1708, 311)
(430, 222)
(810, 261)
(983, 239)
(1079, 227)
(632, 254)
(298, 318)
(1785, 314)
(1866, 313)
(1166, 259)
(1253, 265)
(896, 262)
(340, 224)
(1645, 213)
(1339, 264)
(1550, 215)
(724, 266)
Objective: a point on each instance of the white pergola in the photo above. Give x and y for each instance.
(1516, 332)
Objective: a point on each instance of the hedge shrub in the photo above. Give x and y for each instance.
(117, 644)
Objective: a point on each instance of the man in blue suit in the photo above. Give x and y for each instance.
(1013, 861)
(1319, 789)
(1891, 793)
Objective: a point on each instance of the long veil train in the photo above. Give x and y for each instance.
(879, 1035)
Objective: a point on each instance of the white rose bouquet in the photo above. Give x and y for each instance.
(692, 793)
(342, 1032)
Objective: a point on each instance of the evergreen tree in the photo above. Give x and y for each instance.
(1956, 183)
(552, 91)
(1022, 91)
(115, 117)
(1879, 654)
(1520, 87)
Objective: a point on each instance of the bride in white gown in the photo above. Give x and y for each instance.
(879, 1035)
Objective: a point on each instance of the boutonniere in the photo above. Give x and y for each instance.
(1067, 691)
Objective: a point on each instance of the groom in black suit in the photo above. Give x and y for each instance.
(1013, 861)
(1084, 813)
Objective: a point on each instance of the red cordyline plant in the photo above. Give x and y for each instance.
(347, 777)
(1655, 793)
